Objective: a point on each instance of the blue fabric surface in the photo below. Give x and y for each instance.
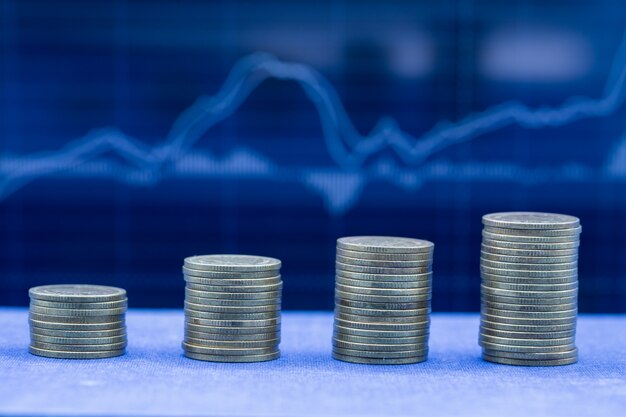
(155, 379)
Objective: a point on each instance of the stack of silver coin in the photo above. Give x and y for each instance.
(77, 321)
(382, 299)
(232, 308)
(529, 291)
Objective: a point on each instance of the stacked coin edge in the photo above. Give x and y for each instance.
(382, 300)
(77, 321)
(232, 308)
(529, 288)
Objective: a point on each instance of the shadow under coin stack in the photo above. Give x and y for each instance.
(77, 321)
(232, 308)
(382, 300)
(529, 270)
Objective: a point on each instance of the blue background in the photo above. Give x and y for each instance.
(135, 133)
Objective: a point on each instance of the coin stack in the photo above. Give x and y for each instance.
(232, 308)
(529, 291)
(77, 321)
(382, 300)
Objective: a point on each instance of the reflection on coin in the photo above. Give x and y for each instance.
(77, 293)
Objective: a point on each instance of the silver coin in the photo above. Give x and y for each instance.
(529, 322)
(216, 302)
(383, 284)
(526, 328)
(382, 299)
(230, 332)
(377, 256)
(525, 349)
(528, 294)
(530, 220)
(531, 287)
(383, 326)
(532, 308)
(80, 306)
(195, 291)
(225, 338)
(380, 333)
(232, 323)
(340, 266)
(380, 361)
(528, 253)
(526, 273)
(77, 340)
(531, 362)
(100, 312)
(528, 301)
(78, 348)
(233, 359)
(529, 260)
(272, 343)
(534, 245)
(573, 232)
(381, 319)
(384, 244)
(526, 280)
(528, 267)
(224, 275)
(76, 326)
(232, 263)
(190, 312)
(537, 355)
(403, 292)
(382, 313)
(233, 282)
(77, 293)
(385, 277)
(77, 333)
(230, 351)
(528, 335)
(372, 354)
(77, 319)
(378, 347)
(498, 238)
(530, 315)
(382, 306)
(199, 304)
(560, 342)
(236, 289)
(75, 355)
(384, 264)
(380, 340)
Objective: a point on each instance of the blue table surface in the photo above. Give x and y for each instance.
(154, 379)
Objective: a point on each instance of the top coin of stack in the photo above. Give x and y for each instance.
(232, 308)
(382, 300)
(529, 291)
(77, 321)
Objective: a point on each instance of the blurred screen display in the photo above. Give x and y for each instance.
(136, 133)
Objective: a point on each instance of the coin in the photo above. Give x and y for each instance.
(569, 259)
(531, 362)
(236, 289)
(383, 284)
(384, 244)
(197, 325)
(377, 256)
(379, 333)
(500, 238)
(229, 338)
(528, 253)
(75, 312)
(560, 342)
(382, 306)
(76, 326)
(528, 301)
(88, 305)
(201, 304)
(382, 299)
(537, 355)
(380, 361)
(530, 315)
(526, 280)
(529, 321)
(194, 290)
(386, 355)
(380, 270)
(531, 308)
(77, 340)
(78, 348)
(531, 287)
(381, 313)
(382, 340)
(526, 273)
(385, 277)
(270, 343)
(77, 319)
(188, 347)
(574, 231)
(528, 267)
(223, 275)
(531, 245)
(217, 302)
(120, 331)
(231, 358)
(381, 319)
(530, 220)
(528, 294)
(75, 355)
(384, 264)
(233, 282)
(70, 293)
(528, 335)
(231, 323)
(519, 350)
(526, 327)
(382, 326)
(404, 292)
(377, 347)
(232, 263)
(191, 312)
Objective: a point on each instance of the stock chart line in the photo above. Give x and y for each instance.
(348, 148)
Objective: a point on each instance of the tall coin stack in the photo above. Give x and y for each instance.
(529, 291)
(382, 300)
(232, 308)
(77, 321)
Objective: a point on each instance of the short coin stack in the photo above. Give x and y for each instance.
(529, 270)
(232, 308)
(77, 321)
(382, 300)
